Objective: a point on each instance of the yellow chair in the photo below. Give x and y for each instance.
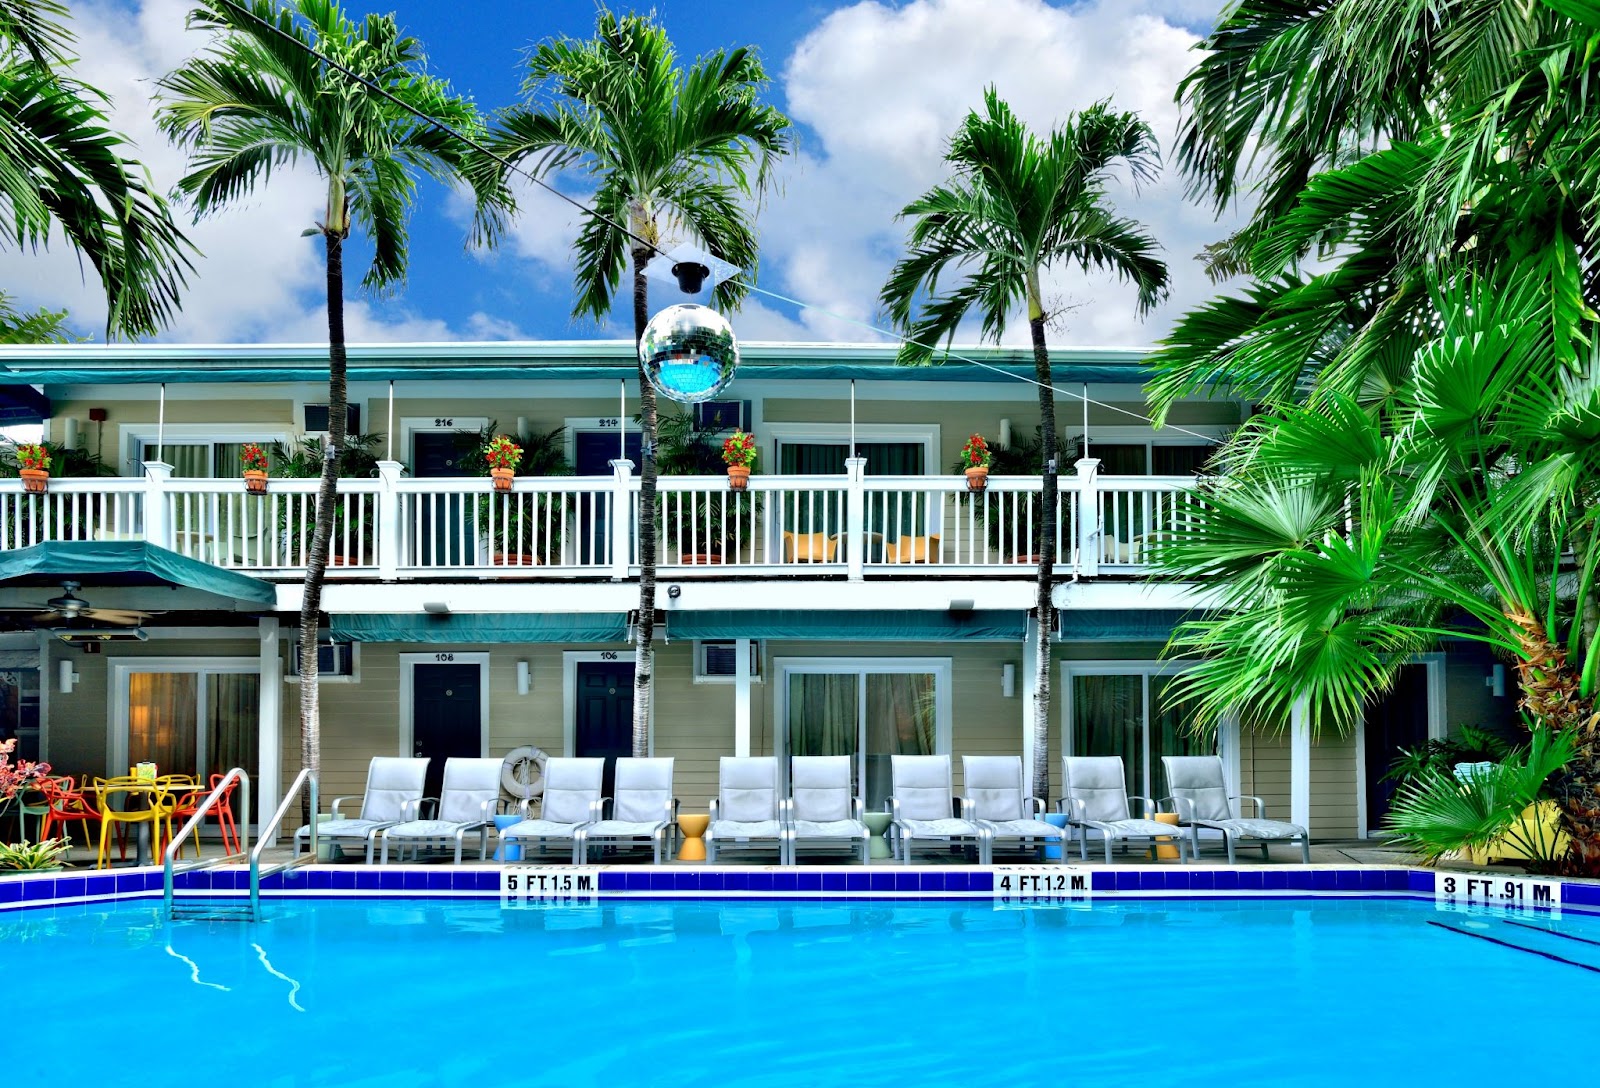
(809, 548)
(153, 807)
(912, 549)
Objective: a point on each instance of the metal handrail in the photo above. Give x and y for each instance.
(237, 774)
(270, 828)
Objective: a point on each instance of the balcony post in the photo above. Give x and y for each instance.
(622, 524)
(855, 517)
(1088, 516)
(157, 516)
(390, 520)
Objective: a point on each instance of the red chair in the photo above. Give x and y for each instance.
(189, 803)
(65, 805)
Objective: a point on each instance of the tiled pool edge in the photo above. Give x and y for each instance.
(762, 883)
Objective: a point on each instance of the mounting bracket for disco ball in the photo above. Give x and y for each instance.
(688, 352)
(691, 276)
(669, 269)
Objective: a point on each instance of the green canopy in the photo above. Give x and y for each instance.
(481, 627)
(909, 626)
(128, 562)
(1121, 624)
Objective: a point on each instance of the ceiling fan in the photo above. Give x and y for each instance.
(70, 610)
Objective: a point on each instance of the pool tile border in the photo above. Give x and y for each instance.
(623, 882)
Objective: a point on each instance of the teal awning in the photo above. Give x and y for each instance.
(1119, 624)
(128, 562)
(942, 626)
(482, 627)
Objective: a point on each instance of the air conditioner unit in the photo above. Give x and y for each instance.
(717, 659)
(722, 415)
(334, 658)
(316, 418)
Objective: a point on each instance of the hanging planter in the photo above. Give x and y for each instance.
(739, 454)
(975, 458)
(738, 477)
(255, 468)
(977, 478)
(503, 456)
(33, 461)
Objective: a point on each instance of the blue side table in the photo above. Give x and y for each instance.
(507, 851)
(1052, 851)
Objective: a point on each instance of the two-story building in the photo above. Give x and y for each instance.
(857, 599)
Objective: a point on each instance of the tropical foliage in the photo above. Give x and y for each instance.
(1419, 332)
(674, 155)
(1016, 205)
(280, 85)
(62, 168)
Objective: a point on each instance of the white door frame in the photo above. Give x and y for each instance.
(943, 687)
(1227, 729)
(118, 698)
(569, 693)
(1434, 666)
(408, 664)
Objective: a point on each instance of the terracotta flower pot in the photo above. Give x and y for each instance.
(738, 477)
(503, 478)
(978, 478)
(514, 559)
(702, 560)
(255, 481)
(34, 480)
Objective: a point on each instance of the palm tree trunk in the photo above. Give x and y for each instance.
(643, 680)
(1047, 543)
(1551, 693)
(322, 533)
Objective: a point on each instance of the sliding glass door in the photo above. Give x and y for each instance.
(868, 711)
(190, 720)
(1129, 710)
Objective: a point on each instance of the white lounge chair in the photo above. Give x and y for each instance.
(571, 805)
(643, 812)
(1199, 793)
(747, 812)
(393, 795)
(996, 798)
(1097, 800)
(920, 803)
(823, 810)
(467, 802)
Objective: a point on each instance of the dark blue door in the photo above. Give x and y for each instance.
(1397, 720)
(604, 724)
(446, 535)
(446, 716)
(593, 452)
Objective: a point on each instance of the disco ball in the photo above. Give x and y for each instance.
(688, 352)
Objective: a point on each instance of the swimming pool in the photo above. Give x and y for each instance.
(398, 993)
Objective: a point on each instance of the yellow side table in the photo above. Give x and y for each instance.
(1166, 849)
(694, 826)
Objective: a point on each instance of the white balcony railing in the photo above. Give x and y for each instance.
(392, 527)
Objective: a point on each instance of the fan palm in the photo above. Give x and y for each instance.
(269, 91)
(1018, 205)
(672, 153)
(61, 166)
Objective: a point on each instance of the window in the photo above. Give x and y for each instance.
(1126, 709)
(867, 710)
(336, 661)
(716, 661)
(1150, 458)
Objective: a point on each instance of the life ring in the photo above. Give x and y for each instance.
(522, 773)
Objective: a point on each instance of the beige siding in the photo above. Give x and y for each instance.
(1264, 772)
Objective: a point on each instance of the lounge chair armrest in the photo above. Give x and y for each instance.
(1261, 806)
(607, 805)
(712, 807)
(597, 809)
(892, 806)
(1182, 806)
(337, 801)
(1149, 803)
(487, 810)
(966, 808)
(786, 811)
(1080, 810)
(1037, 805)
(858, 808)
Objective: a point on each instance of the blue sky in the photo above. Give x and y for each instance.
(874, 89)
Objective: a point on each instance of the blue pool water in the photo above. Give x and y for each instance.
(372, 994)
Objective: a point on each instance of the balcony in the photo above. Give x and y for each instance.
(391, 528)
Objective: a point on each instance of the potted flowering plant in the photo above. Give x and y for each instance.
(975, 458)
(33, 460)
(503, 455)
(18, 777)
(739, 454)
(254, 459)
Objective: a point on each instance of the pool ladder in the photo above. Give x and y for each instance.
(208, 906)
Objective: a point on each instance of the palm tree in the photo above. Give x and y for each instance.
(270, 91)
(673, 154)
(62, 167)
(1017, 206)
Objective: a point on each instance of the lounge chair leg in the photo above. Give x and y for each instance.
(1228, 839)
(1107, 840)
(1305, 849)
(384, 860)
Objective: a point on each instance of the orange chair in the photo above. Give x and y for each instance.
(809, 548)
(912, 549)
(188, 803)
(66, 805)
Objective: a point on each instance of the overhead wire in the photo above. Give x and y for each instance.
(656, 250)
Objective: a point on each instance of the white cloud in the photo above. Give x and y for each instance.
(258, 279)
(883, 87)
